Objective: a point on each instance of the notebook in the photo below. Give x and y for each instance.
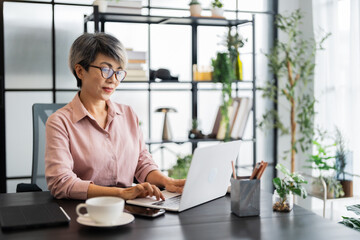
(32, 216)
(208, 178)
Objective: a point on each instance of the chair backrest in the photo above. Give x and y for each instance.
(41, 112)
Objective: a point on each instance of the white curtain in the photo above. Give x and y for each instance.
(337, 72)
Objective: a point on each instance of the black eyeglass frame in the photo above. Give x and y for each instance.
(112, 71)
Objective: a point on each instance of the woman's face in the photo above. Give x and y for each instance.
(94, 84)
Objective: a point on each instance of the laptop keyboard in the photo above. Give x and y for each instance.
(169, 203)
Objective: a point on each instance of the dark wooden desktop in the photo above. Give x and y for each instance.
(212, 220)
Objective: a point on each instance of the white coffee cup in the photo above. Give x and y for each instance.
(104, 210)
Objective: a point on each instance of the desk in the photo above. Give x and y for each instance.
(212, 220)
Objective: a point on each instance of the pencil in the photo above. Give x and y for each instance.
(256, 169)
(233, 169)
(262, 171)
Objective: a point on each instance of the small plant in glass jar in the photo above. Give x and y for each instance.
(285, 187)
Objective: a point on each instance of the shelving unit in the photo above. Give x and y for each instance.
(100, 19)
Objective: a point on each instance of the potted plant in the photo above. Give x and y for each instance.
(292, 63)
(333, 187)
(233, 42)
(195, 133)
(217, 8)
(285, 187)
(323, 161)
(343, 159)
(181, 168)
(102, 4)
(223, 73)
(195, 8)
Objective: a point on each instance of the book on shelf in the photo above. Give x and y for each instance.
(135, 73)
(136, 55)
(238, 114)
(216, 123)
(222, 128)
(235, 105)
(123, 10)
(136, 61)
(136, 79)
(135, 66)
(245, 118)
(240, 120)
(126, 3)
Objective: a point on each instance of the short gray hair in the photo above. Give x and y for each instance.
(85, 49)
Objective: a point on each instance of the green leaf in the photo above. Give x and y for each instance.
(351, 222)
(283, 169)
(277, 183)
(354, 208)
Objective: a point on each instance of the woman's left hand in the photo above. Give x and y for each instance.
(175, 185)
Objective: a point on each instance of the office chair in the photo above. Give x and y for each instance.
(40, 112)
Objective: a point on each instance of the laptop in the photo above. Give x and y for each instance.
(208, 178)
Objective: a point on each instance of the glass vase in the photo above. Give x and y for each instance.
(282, 204)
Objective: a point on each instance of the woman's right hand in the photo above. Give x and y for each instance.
(141, 190)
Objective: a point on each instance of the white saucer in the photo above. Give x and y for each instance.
(124, 219)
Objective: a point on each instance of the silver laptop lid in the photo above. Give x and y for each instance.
(209, 174)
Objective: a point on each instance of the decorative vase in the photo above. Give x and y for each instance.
(239, 68)
(282, 204)
(217, 12)
(345, 179)
(195, 10)
(347, 186)
(102, 4)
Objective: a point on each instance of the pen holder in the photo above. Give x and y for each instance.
(245, 197)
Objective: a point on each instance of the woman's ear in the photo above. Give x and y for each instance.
(79, 70)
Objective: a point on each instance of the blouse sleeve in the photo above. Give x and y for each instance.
(62, 181)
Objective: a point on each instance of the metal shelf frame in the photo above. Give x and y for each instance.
(148, 19)
(100, 19)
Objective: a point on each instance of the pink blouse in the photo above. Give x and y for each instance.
(79, 152)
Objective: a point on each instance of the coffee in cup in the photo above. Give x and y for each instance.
(105, 210)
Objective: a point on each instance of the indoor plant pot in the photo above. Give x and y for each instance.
(217, 12)
(217, 8)
(347, 186)
(291, 183)
(284, 204)
(195, 9)
(102, 4)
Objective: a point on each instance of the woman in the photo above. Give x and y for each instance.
(95, 147)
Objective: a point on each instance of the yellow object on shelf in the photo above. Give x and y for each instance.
(239, 68)
(198, 75)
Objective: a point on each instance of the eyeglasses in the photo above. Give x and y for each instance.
(107, 73)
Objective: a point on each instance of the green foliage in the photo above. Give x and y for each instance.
(224, 73)
(194, 2)
(181, 168)
(322, 159)
(292, 63)
(194, 124)
(233, 42)
(354, 208)
(333, 185)
(352, 222)
(340, 154)
(292, 182)
(217, 3)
